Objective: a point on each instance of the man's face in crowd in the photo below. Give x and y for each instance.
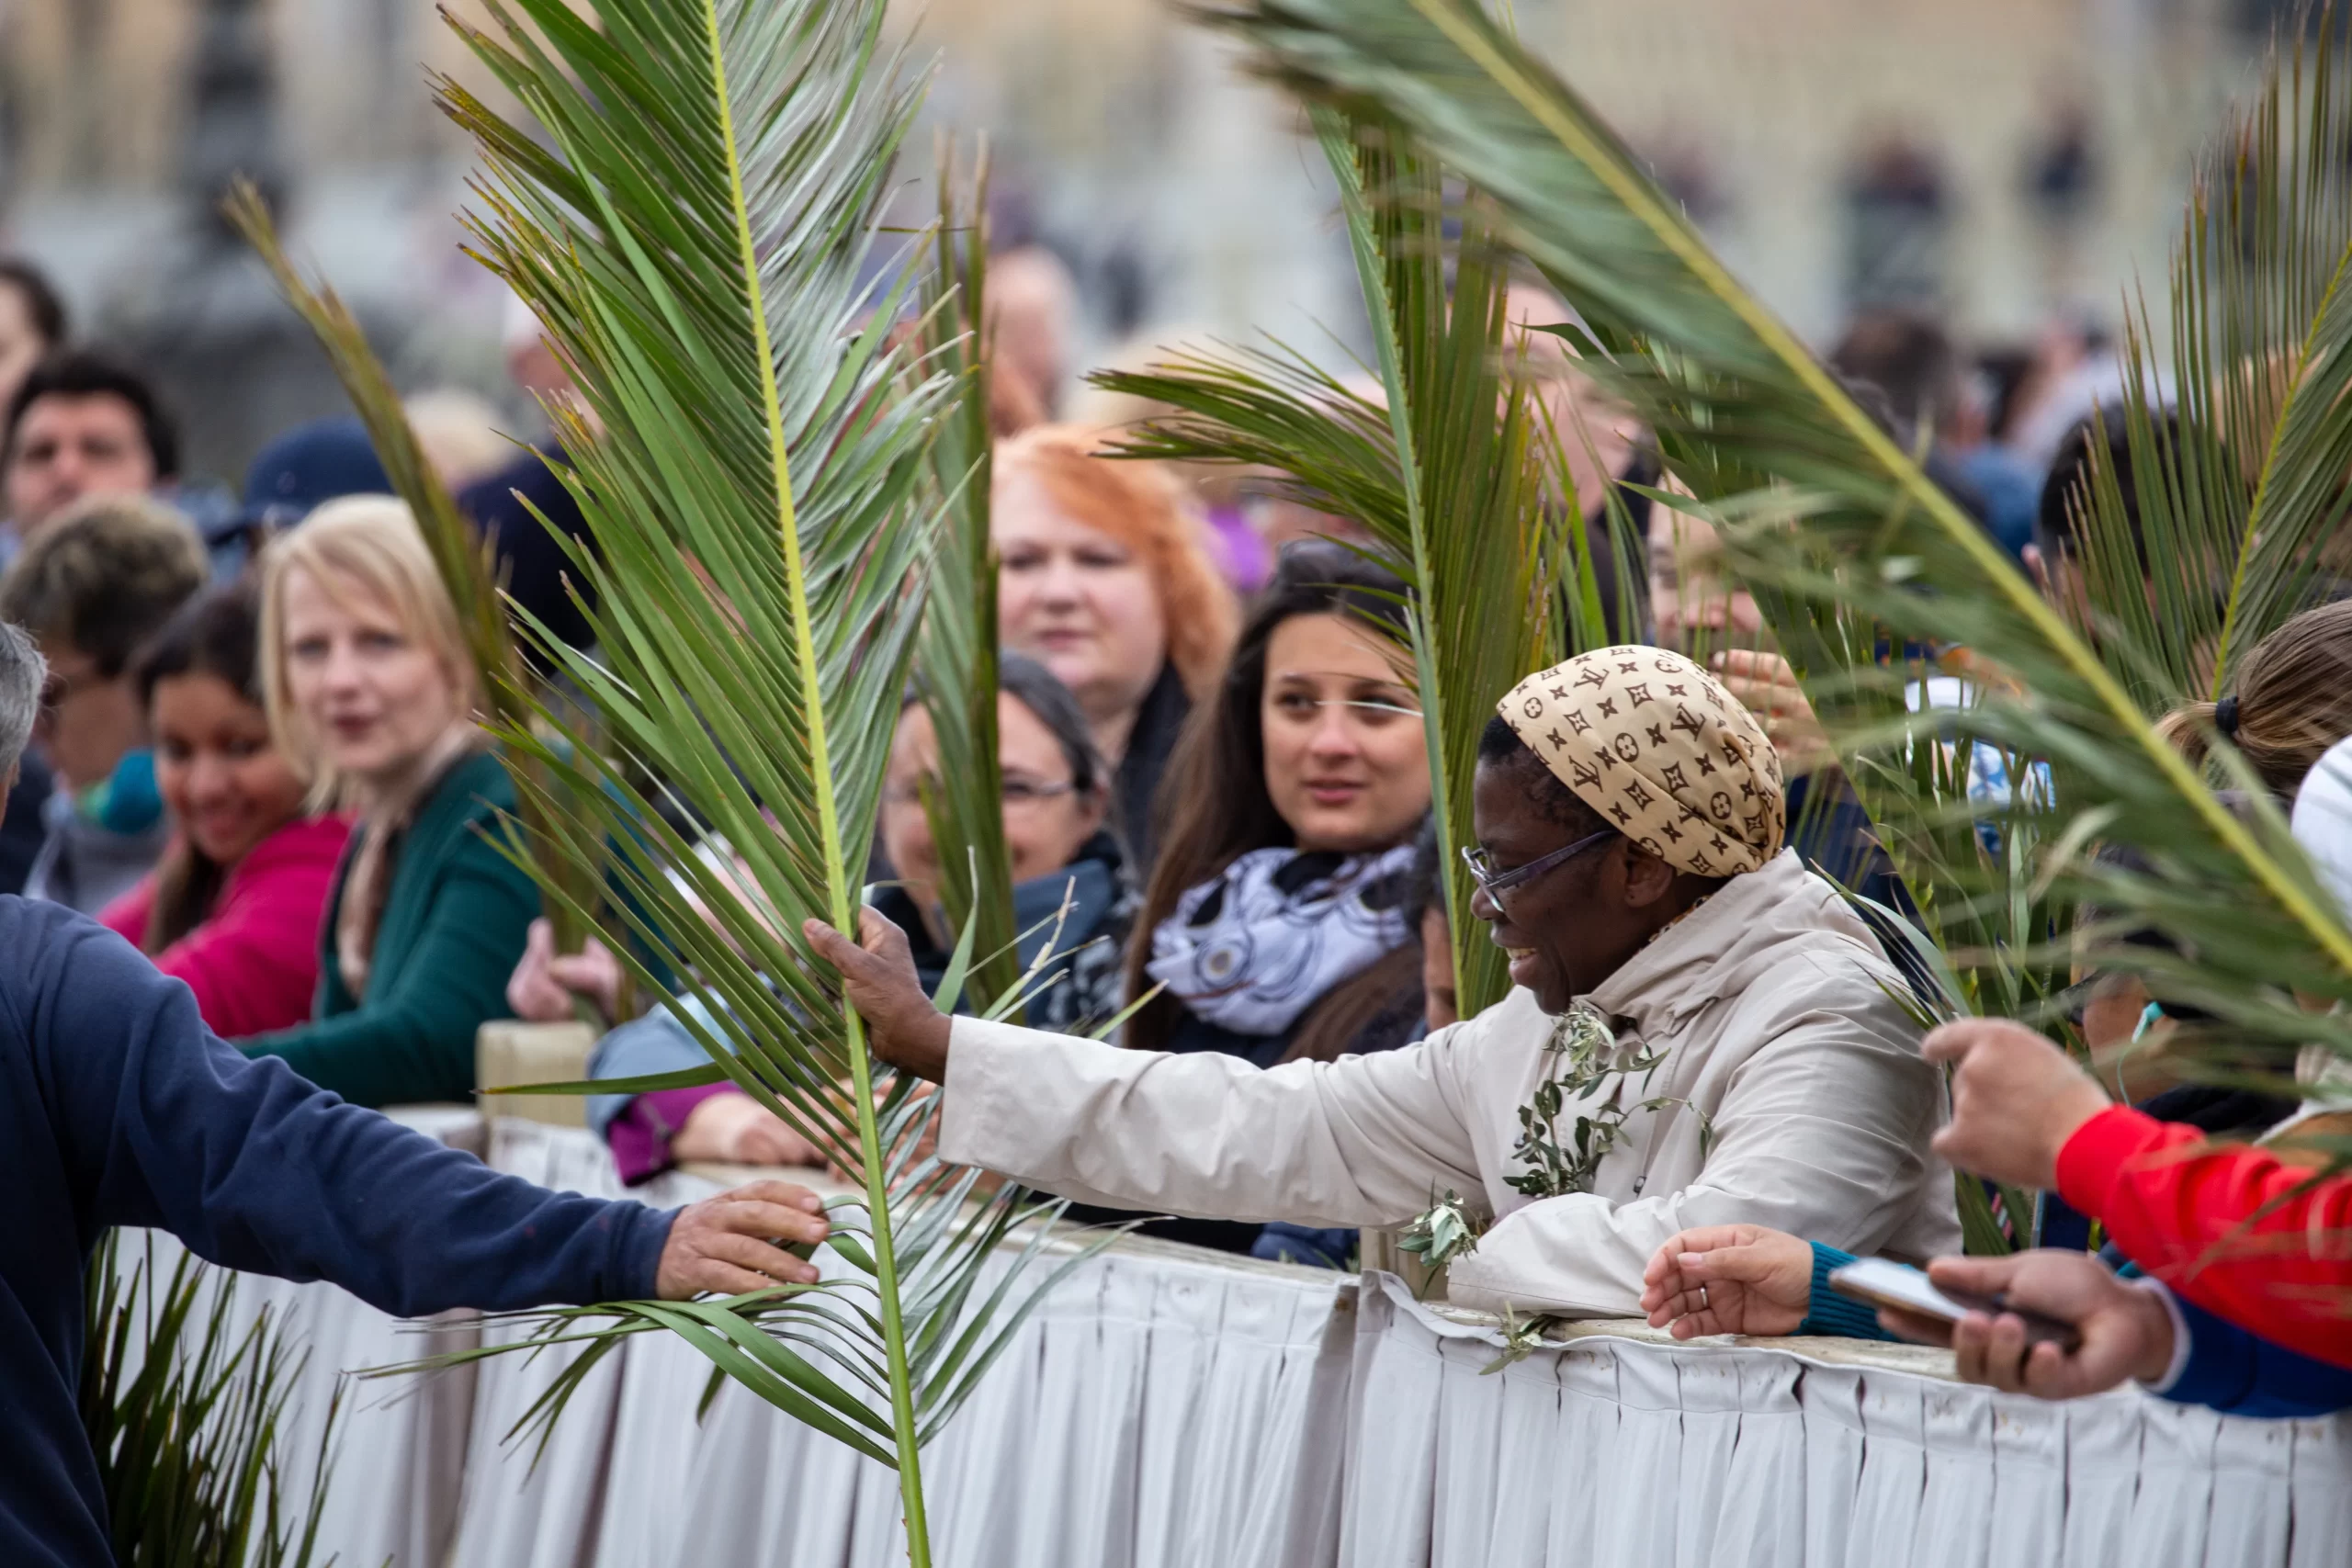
(67, 447)
(1569, 927)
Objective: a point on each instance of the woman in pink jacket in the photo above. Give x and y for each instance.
(233, 908)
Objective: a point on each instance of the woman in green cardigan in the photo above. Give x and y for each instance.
(367, 674)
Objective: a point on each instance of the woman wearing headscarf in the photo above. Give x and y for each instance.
(1699, 1028)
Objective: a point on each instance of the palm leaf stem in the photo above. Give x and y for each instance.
(1446, 465)
(1340, 141)
(466, 561)
(957, 652)
(841, 894)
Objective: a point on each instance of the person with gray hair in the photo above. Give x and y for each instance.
(118, 1107)
(23, 673)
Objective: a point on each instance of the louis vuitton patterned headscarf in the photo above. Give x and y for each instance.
(1661, 750)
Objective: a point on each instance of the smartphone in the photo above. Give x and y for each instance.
(1905, 1289)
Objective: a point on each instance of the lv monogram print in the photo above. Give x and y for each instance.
(1658, 747)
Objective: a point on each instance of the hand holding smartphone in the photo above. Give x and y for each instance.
(1899, 1288)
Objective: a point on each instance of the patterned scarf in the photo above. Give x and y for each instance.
(1257, 946)
(1665, 754)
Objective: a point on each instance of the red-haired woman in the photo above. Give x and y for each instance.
(1106, 580)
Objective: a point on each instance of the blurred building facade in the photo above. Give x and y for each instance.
(1998, 160)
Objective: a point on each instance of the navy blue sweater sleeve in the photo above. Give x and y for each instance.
(2238, 1372)
(165, 1125)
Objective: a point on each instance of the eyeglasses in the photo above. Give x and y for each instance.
(1495, 883)
(1029, 792)
(1299, 702)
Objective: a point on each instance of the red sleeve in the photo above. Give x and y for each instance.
(255, 965)
(2178, 1207)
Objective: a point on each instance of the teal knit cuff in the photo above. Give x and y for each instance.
(1827, 1312)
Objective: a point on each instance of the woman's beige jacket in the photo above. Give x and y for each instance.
(1795, 1098)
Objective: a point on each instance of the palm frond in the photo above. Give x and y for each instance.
(690, 213)
(2241, 489)
(184, 1411)
(1820, 502)
(956, 657)
(969, 1283)
(1450, 465)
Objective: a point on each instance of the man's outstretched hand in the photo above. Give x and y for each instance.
(736, 1242)
(878, 974)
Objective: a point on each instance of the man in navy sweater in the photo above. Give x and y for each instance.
(118, 1107)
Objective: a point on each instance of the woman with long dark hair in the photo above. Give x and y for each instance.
(234, 906)
(1280, 920)
(1276, 915)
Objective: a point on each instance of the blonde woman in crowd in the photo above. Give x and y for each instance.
(366, 669)
(1105, 579)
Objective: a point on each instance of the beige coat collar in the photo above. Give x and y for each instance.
(1721, 946)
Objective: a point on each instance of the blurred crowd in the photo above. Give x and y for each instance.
(257, 759)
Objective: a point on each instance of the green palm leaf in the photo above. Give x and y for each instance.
(184, 1414)
(2238, 503)
(958, 654)
(1821, 502)
(468, 562)
(1451, 466)
(689, 211)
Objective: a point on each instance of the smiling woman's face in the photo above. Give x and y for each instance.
(226, 784)
(1347, 760)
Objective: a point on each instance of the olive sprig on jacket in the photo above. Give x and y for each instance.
(1586, 1048)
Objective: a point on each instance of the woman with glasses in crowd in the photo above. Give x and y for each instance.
(1073, 906)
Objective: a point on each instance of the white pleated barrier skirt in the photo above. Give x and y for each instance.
(1166, 1408)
